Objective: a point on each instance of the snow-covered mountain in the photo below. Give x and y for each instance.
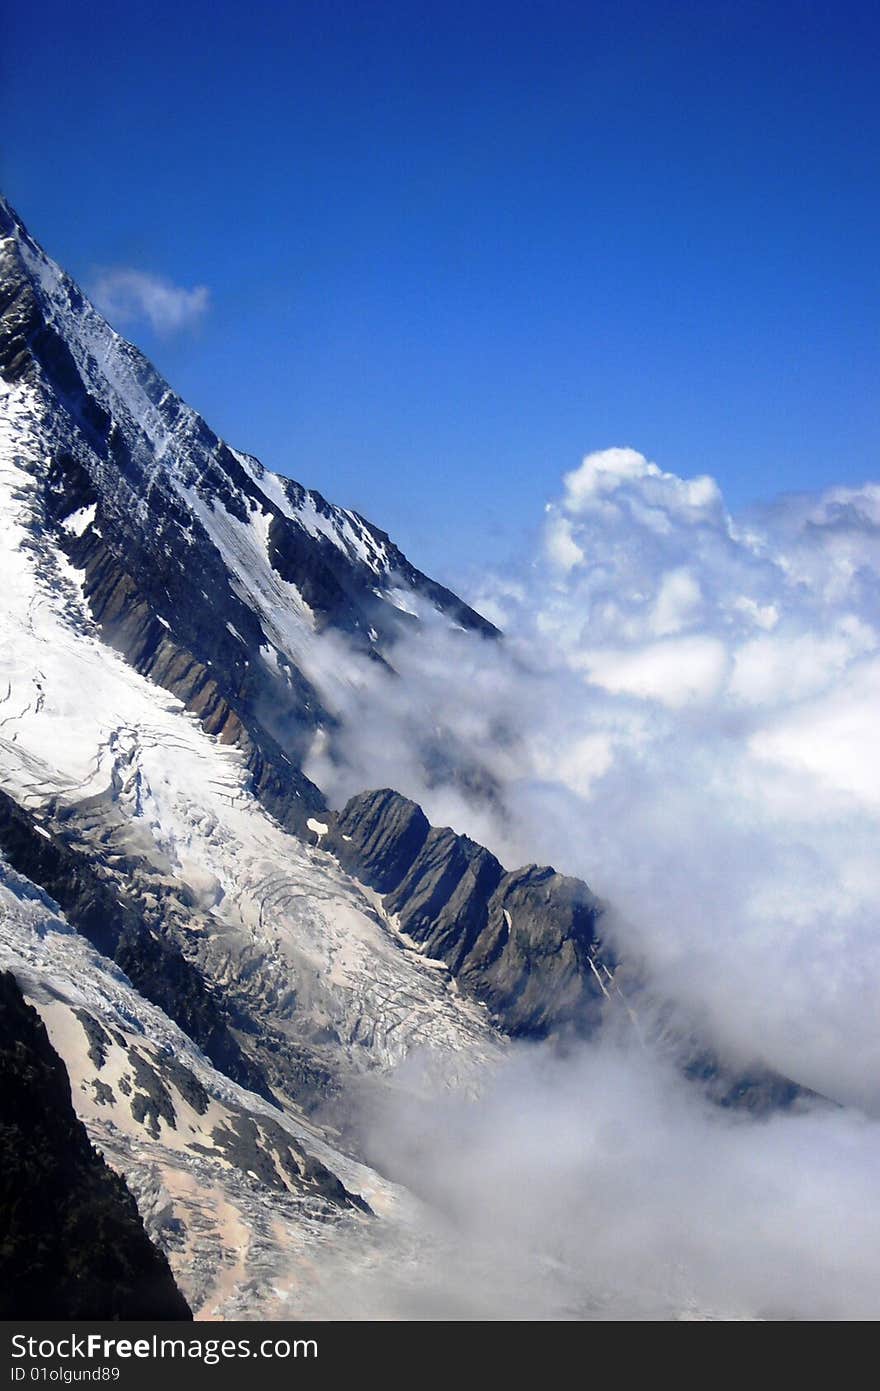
(212, 576)
(224, 962)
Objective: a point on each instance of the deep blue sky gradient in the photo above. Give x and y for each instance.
(453, 247)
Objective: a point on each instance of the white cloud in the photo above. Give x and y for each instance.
(609, 477)
(677, 597)
(128, 296)
(674, 672)
(837, 737)
(763, 615)
(561, 546)
(596, 1185)
(716, 780)
(714, 776)
(769, 670)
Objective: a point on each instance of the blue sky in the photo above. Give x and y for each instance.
(448, 249)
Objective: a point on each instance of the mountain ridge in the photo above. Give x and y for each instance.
(222, 532)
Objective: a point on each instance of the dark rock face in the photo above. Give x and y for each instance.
(260, 1147)
(378, 836)
(443, 899)
(525, 943)
(535, 964)
(130, 591)
(757, 1090)
(98, 1039)
(73, 1245)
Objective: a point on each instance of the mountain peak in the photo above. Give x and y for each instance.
(10, 222)
(212, 575)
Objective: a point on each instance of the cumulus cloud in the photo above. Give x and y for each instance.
(128, 296)
(684, 713)
(611, 482)
(685, 717)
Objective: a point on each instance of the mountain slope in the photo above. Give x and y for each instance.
(232, 1189)
(210, 574)
(73, 1244)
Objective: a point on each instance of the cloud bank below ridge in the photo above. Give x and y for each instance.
(684, 713)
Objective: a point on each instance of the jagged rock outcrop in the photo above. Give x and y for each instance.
(442, 899)
(72, 1244)
(539, 963)
(524, 942)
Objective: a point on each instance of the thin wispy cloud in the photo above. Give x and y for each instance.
(128, 296)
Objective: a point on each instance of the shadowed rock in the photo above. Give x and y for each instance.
(73, 1244)
(161, 588)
